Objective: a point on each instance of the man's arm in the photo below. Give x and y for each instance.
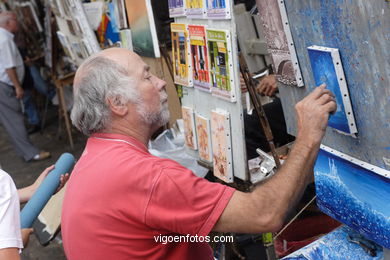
(15, 81)
(11, 253)
(264, 209)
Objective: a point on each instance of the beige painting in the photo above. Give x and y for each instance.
(189, 127)
(221, 143)
(204, 138)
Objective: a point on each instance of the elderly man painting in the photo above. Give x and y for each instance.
(120, 197)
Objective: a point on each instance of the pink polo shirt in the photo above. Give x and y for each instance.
(120, 198)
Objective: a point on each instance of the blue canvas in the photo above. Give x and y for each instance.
(335, 246)
(324, 72)
(354, 195)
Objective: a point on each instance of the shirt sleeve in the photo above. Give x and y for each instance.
(10, 234)
(183, 203)
(7, 57)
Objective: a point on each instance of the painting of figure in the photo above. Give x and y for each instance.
(189, 127)
(204, 138)
(221, 143)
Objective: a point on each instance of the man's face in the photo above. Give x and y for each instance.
(153, 105)
(13, 25)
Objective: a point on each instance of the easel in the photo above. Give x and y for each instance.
(60, 81)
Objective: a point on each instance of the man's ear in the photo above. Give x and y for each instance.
(117, 107)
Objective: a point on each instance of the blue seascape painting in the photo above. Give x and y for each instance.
(324, 72)
(336, 246)
(354, 195)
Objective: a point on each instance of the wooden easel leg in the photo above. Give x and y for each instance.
(65, 114)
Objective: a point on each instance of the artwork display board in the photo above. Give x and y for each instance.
(199, 56)
(328, 69)
(203, 132)
(218, 9)
(355, 193)
(176, 8)
(225, 97)
(74, 31)
(181, 55)
(222, 147)
(195, 8)
(189, 127)
(221, 65)
(143, 29)
(277, 33)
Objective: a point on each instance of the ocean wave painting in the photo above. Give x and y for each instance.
(334, 246)
(354, 195)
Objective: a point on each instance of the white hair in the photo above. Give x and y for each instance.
(100, 79)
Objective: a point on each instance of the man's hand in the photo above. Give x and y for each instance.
(19, 92)
(313, 114)
(267, 86)
(26, 232)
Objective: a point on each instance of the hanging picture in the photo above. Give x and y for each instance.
(327, 68)
(195, 8)
(143, 30)
(203, 132)
(221, 143)
(180, 55)
(221, 67)
(66, 45)
(176, 8)
(218, 9)
(280, 43)
(355, 193)
(199, 56)
(189, 127)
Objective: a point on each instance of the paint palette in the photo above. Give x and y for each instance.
(327, 68)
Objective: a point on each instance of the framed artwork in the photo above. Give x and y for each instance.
(199, 56)
(189, 127)
(195, 8)
(221, 66)
(355, 193)
(203, 132)
(182, 70)
(66, 45)
(327, 68)
(143, 30)
(277, 33)
(176, 8)
(221, 143)
(218, 9)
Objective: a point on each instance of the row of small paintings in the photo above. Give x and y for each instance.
(212, 140)
(202, 58)
(200, 9)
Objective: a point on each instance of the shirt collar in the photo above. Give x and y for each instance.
(7, 33)
(125, 138)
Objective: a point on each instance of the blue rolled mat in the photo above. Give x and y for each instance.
(44, 192)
